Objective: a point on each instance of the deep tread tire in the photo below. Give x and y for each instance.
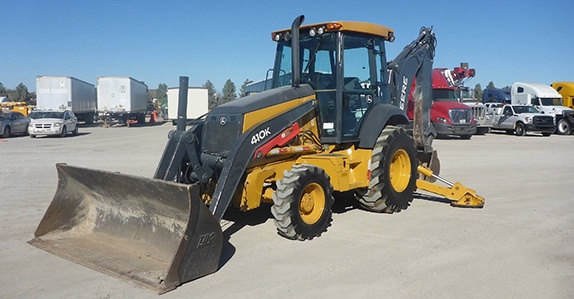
(563, 127)
(295, 217)
(381, 196)
(520, 130)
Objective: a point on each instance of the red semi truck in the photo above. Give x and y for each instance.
(448, 116)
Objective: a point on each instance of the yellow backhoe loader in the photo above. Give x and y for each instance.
(333, 121)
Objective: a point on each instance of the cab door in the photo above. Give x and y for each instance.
(70, 121)
(506, 119)
(18, 122)
(361, 81)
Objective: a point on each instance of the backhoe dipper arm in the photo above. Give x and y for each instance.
(414, 63)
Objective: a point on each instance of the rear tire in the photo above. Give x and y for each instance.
(520, 131)
(302, 203)
(563, 127)
(546, 134)
(393, 173)
(468, 136)
(75, 132)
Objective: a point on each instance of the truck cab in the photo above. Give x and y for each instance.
(483, 118)
(448, 116)
(496, 95)
(547, 101)
(566, 90)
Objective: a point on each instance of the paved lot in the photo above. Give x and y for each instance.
(521, 245)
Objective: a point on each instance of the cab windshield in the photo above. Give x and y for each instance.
(47, 114)
(551, 101)
(318, 61)
(444, 95)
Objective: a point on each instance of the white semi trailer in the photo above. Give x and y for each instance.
(197, 103)
(59, 93)
(122, 98)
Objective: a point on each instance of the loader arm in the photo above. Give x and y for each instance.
(243, 152)
(457, 193)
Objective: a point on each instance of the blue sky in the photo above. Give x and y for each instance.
(158, 41)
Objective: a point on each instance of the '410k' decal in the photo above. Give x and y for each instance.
(260, 135)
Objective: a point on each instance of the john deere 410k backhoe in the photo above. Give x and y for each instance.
(334, 121)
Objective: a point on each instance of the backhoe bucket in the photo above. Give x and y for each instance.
(155, 233)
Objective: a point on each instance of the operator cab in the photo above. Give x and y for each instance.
(345, 63)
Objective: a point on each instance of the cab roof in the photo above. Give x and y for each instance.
(349, 26)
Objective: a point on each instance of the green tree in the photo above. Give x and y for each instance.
(506, 87)
(3, 92)
(242, 92)
(490, 85)
(229, 92)
(478, 92)
(161, 93)
(211, 94)
(20, 94)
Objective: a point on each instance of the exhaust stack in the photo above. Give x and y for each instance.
(295, 55)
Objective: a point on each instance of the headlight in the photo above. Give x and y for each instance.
(57, 125)
(440, 119)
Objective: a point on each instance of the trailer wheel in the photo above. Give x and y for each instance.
(563, 127)
(302, 203)
(393, 173)
(520, 131)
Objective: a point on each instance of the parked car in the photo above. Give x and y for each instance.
(13, 122)
(52, 122)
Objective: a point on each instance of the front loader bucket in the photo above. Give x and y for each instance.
(155, 233)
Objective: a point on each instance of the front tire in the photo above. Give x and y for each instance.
(7, 132)
(393, 173)
(302, 203)
(563, 127)
(64, 132)
(520, 130)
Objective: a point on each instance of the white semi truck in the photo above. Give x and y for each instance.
(547, 100)
(122, 98)
(197, 99)
(60, 93)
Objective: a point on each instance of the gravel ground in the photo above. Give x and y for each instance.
(520, 245)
